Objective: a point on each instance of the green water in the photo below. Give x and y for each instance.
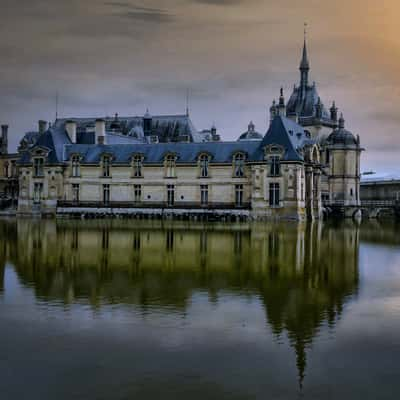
(160, 310)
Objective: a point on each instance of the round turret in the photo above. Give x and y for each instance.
(251, 133)
(341, 135)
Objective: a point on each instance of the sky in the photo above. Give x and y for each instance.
(233, 56)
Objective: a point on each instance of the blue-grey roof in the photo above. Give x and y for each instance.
(282, 131)
(305, 105)
(168, 128)
(220, 152)
(288, 134)
(343, 137)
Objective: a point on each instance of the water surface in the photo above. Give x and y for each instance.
(130, 309)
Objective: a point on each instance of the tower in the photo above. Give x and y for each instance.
(344, 170)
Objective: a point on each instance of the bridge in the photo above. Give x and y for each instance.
(367, 208)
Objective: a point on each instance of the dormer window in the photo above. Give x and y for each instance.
(170, 161)
(106, 164)
(275, 166)
(38, 164)
(204, 161)
(238, 165)
(76, 167)
(137, 166)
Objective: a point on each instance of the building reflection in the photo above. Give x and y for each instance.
(304, 274)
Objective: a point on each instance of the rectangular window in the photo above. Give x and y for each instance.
(137, 193)
(75, 192)
(75, 166)
(204, 195)
(275, 167)
(106, 166)
(106, 194)
(137, 167)
(170, 195)
(239, 195)
(170, 166)
(38, 166)
(274, 194)
(238, 169)
(37, 192)
(204, 161)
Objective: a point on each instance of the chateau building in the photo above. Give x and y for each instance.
(163, 165)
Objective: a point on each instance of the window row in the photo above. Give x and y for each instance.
(169, 165)
(170, 194)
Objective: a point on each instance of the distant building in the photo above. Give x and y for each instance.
(376, 187)
(158, 164)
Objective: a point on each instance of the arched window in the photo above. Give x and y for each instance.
(137, 166)
(170, 161)
(106, 166)
(238, 165)
(204, 163)
(76, 169)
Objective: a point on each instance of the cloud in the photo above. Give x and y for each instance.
(220, 2)
(141, 14)
(386, 116)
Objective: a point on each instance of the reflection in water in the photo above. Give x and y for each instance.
(303, 274)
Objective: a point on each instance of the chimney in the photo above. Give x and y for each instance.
(42, 126)
(4, 141)
(100, 131)
(70, 127)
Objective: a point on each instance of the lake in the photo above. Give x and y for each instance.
(129, 309)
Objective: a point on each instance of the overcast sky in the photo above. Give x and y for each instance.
(233, 55)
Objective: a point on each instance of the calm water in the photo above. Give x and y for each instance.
(133, 310)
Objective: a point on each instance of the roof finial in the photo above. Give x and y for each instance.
(56, 105)
(341, 121)
(187, 102)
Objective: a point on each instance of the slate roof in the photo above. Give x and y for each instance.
(287, 133)
(168, 128)
(220, 152)
(251, 133)
(282, 131)
(305, 106)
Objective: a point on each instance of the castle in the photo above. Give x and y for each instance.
(163, 165)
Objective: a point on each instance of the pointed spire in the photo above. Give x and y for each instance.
(272, 111)
(341, 121)
(333, 111)
(304, 64)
